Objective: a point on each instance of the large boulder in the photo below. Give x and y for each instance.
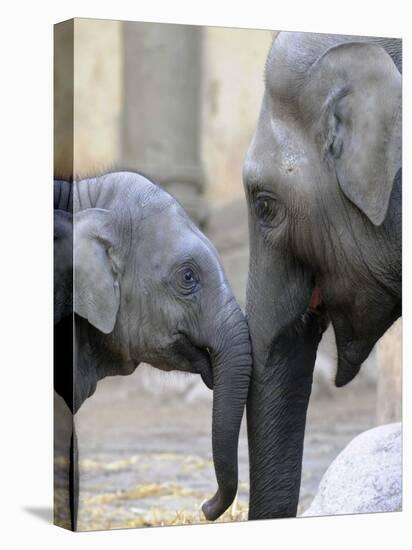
(365, 477)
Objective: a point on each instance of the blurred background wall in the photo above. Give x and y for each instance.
(180, 104)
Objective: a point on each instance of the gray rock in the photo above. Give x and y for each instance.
(365, 477)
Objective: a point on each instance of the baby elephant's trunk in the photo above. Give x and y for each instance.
(232, 365)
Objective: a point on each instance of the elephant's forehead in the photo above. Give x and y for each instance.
(168, 229)
(289, 147)
(289, 60)
(162, 222)
(279, 146)
(171, 237)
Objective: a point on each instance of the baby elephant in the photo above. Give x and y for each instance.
(149, 287)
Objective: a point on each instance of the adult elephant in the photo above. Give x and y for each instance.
(148, 287)
(323, 184)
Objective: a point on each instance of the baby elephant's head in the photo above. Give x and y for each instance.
(150, 280)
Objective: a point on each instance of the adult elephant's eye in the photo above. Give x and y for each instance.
(266, 208)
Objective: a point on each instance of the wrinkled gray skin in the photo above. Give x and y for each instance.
(149, 287)
(323, 185)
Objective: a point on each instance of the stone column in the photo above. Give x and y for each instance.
(162, 114)
(389, 402)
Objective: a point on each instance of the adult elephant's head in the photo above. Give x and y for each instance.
(153, 287)
(324, 222)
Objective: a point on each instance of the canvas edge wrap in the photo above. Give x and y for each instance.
(66, 481)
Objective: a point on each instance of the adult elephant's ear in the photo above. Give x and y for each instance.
(362, 122)
(96, 285)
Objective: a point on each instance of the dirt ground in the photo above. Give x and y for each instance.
(146, 461)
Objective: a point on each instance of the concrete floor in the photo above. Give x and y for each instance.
(147, 461)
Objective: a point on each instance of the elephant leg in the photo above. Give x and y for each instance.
(74, 480)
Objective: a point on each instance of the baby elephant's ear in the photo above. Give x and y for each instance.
(364, 121)
(96, 286)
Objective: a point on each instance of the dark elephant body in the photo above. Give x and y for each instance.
(148, 287)
(323, 184)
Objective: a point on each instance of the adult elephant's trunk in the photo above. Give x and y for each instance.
(276, 417)
(285, 336)
(232, 364)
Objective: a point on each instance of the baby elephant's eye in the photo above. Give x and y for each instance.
(186, 280)
(188, 275)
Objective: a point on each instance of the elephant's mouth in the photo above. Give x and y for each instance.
(316, 299)
(206, 371)
(317, 308)
(197, 359)
(349, 359)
